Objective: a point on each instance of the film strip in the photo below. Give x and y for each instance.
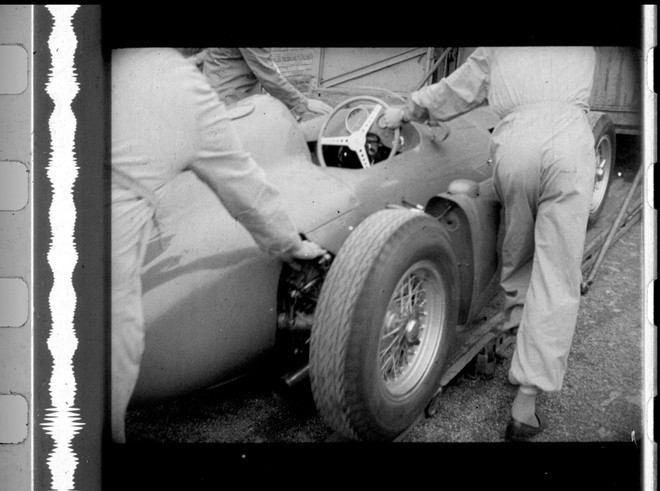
(650, 271)
(53, 235)
(51, 162)
(16, 408)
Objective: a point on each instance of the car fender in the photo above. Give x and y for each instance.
(470, 212)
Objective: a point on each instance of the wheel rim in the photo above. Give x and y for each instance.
(602, 177)
(413, 325)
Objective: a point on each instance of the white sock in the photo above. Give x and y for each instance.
(524, 405)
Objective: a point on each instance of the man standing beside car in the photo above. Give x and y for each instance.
(237, 73)
(544, 165)
(166, 119)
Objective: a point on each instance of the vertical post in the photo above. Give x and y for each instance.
(317, 68)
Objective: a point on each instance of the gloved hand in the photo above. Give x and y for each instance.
(307, 250)
(393, 117)
(318, 106)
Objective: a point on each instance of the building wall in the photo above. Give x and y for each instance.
(296, 65)
(617, 86)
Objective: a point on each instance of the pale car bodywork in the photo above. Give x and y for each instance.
(210, 296)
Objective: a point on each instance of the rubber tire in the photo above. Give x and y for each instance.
(346, 383)
(602, 127)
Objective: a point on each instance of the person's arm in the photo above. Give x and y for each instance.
(460, 92)
(465, 89)
(260, 61)
(241, 184)
(260, 213)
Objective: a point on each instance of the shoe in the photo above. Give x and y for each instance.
(520, 432)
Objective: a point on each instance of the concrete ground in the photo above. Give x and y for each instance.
(600, 403)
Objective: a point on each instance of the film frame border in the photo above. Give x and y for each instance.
(16, 282)
(650, 338)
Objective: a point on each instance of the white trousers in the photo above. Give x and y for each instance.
(544, 175)
(132, 226)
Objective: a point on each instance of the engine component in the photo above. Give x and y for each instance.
(298, 292)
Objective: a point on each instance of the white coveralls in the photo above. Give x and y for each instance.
(237, 73)
(543, 150)
(166, 119)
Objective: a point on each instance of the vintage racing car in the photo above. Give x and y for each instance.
(410, 221)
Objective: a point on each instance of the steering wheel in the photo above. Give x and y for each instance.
(357, 139)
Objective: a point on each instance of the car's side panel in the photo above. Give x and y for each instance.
(453, 217)
(473, 225)
(270, 133)
(311, 195)
(409, 179)
(209, 294)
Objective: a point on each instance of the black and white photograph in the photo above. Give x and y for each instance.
(413, 291)
(402, 258)
(289, 260)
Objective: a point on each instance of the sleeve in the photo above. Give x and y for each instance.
(260, 61)
(238, 181)
(460, 92)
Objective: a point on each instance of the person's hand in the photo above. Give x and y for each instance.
(318, 106)
(307, 250)
(393, 117)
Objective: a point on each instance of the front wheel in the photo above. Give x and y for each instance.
(605, 148)
(384, 325)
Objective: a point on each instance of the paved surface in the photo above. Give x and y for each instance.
(601, 399)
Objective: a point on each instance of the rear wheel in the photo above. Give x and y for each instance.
(384, 325)
(605, 148)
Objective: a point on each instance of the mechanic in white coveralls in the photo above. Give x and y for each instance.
(237, 73)
(166, 119)
(544, 160)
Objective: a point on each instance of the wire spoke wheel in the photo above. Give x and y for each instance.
(408, 343)
(605, 150)
(603, 170)
(384, 325)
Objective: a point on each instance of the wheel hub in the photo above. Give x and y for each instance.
(411, 332)
(412, 328)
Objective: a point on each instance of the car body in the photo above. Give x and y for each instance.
(213, 301)
(210, 294)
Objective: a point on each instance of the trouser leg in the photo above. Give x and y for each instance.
(131, 227)
(552, 301)
(516, 181)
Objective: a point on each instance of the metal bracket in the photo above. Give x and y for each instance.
(484, 363)
(433, 406)
(503, 341)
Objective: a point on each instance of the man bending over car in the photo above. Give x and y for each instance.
(237, 73)
(166, 119)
